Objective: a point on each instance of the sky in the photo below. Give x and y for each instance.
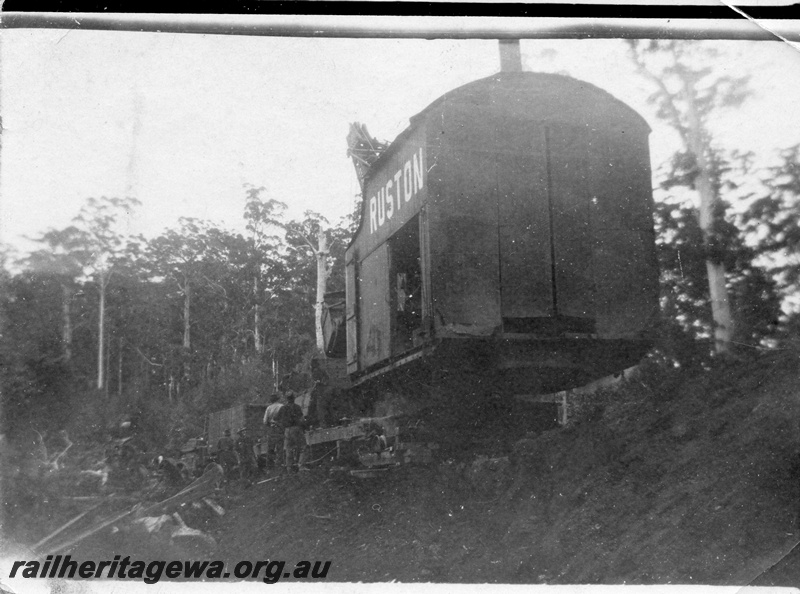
(185, 122)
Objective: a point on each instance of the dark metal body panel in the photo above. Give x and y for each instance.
(524, 232)
(535, 227)
(464, 253)
(373, 290)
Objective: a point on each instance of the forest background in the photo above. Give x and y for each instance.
(101, 324)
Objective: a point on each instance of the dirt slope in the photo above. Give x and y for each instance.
(674, 478)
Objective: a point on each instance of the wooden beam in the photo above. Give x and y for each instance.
(64, 527)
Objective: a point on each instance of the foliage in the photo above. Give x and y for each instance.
(713, 245)
(682, 256)
(682, 252)
(200, 318)
(771, 223)
(685, 80)
(33, 373)
(196, 319)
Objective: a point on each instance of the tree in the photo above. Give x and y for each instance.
(684, 285)
(210, 269)
(177, 255)
(123, 311)
(260, 216)
(105, 245)
(33, 371)
(772, 224)
(686, 92)
(64, 257)
(310, 234)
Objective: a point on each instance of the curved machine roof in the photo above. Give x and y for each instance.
(532, 95)
(527, 95)
(532, 92)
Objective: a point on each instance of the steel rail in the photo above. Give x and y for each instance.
(735, 28)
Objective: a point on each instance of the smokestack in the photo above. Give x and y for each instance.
(510, 58)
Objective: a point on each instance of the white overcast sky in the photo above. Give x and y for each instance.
(182, 122)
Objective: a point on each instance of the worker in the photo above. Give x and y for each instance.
(226, 453)
(291, 419)
(244, 449)
(274, 432)
(171, 471)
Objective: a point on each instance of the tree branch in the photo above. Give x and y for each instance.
(303, 237)
(142, 355)
(216, 286)
(665, 95)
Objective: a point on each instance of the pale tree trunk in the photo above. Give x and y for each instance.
(256, 330)
(275, 371)
(322, 282)
(66, 330)
(187, 334)
(119, 370)
(101, 341)
(321, 254)
(108, 364)
(718, 292)
(187, 299)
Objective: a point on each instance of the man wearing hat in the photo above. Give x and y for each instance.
(274, 432)
(226, 453)
(244, 449)
(292, 421)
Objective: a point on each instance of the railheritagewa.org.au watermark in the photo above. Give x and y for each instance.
(150, 572)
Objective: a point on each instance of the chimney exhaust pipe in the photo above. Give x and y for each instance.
(510, 57)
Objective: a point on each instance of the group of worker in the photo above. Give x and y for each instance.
(284, 424)
(285, 440)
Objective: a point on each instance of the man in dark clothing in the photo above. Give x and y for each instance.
(171, 471)
(291, 419)
(226, 453)
(247, 459)
(274, 432)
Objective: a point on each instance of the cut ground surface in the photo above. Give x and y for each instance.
(674, 478)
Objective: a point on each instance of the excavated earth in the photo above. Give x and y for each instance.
(681, 478)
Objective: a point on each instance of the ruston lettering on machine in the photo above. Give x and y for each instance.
(398, 190)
